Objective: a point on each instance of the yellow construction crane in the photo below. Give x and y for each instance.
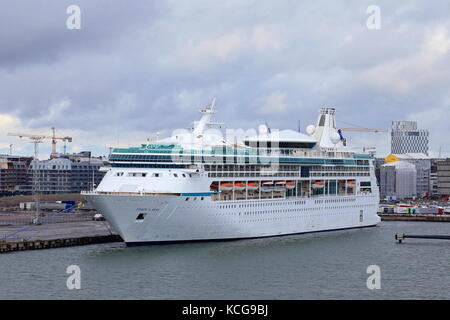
(363, 129)
(38, 139)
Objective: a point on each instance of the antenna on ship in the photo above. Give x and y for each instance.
(209, 109)
(213, 103)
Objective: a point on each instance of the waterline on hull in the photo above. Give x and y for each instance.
(149, 243)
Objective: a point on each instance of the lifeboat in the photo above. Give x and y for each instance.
(252, 186)
(266, 189)
(224, 186)
(290, 184)
(267, 186)
(351, 183)
(239, 186)
(279, 186)
(317, 185)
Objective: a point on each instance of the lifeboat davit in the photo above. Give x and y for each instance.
(290, 185)
(239, 186)
(214, 186)
(317, 185)
(252, 186)
(226, 186)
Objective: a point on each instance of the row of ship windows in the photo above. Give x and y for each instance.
(154, 175)
(298, 210)
(334, 200)
(141, 216)
(341, 174)
(195, 198)
(252, 205)
(282, 210)
(277, 210)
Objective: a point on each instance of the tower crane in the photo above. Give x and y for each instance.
(363, 129)
(36, 139)
(358, 129)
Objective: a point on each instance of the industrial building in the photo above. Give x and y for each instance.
(69, 173)
(443, 177)
(398, 180)
(433, 176)
(423, 170)
(13, 173)
(66, 173)
(406, 138)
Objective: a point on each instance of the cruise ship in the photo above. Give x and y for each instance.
(199, 185)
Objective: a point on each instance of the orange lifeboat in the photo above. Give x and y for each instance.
(225, 186)
(252, 186)
(351, 183)
(290, 184)
(239, 186)
(317, 185)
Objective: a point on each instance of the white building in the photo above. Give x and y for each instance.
(423, 169)
(398, 180)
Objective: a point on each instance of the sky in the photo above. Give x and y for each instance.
(139, 69)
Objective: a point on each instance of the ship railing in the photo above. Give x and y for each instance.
(252, 174)
(261, 152)
(121, 193)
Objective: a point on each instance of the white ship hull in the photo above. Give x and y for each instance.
(172, 218)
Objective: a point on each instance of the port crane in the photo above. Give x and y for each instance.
(36, 139)
(376, 130)
(363, 129)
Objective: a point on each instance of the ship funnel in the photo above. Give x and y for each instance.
(325, 131)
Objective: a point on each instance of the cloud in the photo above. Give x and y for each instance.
(419, 69)
(136, 68)
(273, 103)
(223, 48)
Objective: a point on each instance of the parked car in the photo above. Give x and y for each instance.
(98, 217)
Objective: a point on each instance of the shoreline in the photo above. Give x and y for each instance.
(414, 217)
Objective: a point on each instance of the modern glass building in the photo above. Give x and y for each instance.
(406, 138)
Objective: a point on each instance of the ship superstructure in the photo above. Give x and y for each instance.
(197, 185)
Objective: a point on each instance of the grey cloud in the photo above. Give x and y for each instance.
(141, 67)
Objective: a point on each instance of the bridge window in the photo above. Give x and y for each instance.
(137, 174)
